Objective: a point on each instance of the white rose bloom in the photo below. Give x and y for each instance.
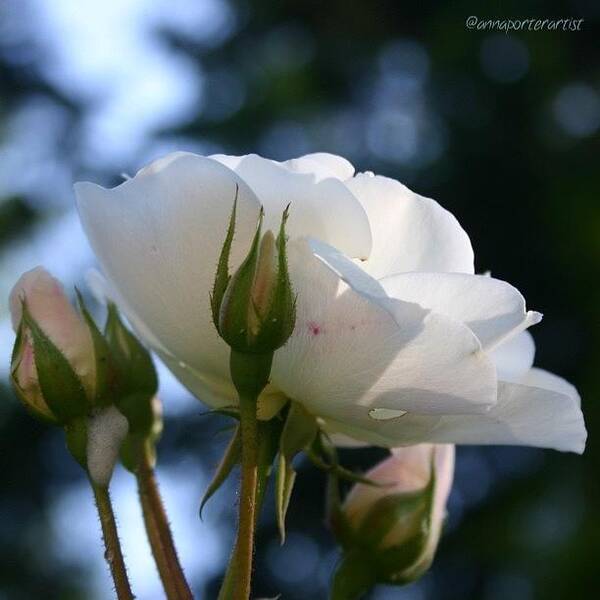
(396, 341)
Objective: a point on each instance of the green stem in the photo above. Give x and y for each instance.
(246, 527)
(250, 374)
(159, 533)
(228, 585)
(113, 554)
(266, 452)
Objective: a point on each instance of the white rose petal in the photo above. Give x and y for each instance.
(514, 357)
(410, 232)
(321, 205)
(322, 164)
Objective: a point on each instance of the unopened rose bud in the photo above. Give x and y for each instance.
(53, 366)
(136, 380)
(255, 309)
(397, 524)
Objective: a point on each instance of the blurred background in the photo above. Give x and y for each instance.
(503, 130)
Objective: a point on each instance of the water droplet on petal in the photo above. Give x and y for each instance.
(385, 414)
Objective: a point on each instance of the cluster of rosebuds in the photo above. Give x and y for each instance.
(99, 386)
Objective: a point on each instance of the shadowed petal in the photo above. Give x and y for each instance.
(350, 349)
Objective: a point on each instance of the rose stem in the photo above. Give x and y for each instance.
(159, 533)
(245, 542)
(113, 554)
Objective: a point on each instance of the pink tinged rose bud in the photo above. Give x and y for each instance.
(264, 283)
(400, 521)
(54, 318)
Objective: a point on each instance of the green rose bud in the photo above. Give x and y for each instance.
(136, 379)
(255, 309)
(392, 530)
(135, 390)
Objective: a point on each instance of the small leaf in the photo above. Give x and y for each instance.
(298, 433)
(233, 310)
(229, 460)
(286, 476)
(104, 375)
(222, 276)
(61, 388)
(269, 433)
